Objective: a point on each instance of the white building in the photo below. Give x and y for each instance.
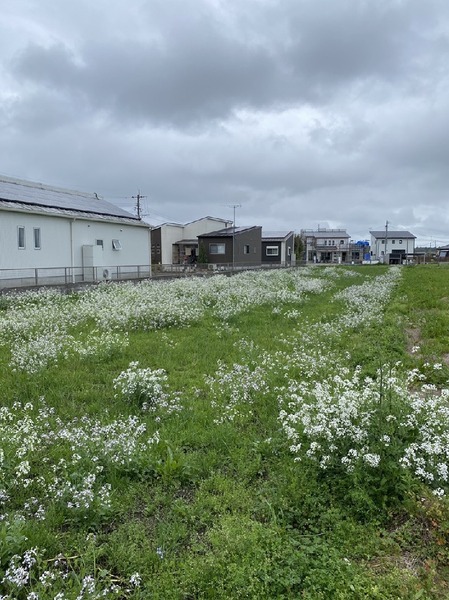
(326, 245)
(172, 243)
(392, 247)
(69, 234)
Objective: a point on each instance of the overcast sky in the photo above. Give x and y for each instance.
(304, 112)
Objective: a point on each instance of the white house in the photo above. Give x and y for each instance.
(68, 234)
(392, 247)
(326, 245)
(172, 243)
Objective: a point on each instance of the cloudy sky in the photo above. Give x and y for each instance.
(303, 112)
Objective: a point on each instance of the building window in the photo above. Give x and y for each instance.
(116, 245)
(383, 241)
(400, 241)
(21, 237)
(272, 251)
(216, 249)
(289, 251)
(99, 243)
(325, 242)
(37, 238)
(246, 249)
(393, 241)
(342, 242)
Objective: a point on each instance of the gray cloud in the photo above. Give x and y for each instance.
(303, 112)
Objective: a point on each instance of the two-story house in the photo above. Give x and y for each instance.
(392, 247)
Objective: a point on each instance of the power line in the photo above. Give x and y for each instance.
(138, 207)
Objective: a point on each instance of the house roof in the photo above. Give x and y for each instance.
(276, 235)
(392, 234)
(229, 231)
(326, 234)
(209, 219)
(190, 242)
(33, 196)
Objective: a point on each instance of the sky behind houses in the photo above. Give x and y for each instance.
(304, 112)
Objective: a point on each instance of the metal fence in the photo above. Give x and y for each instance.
(45, 276)
(79, 276)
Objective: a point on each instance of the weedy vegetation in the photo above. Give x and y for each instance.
(272, 435)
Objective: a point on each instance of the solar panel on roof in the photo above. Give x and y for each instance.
(38, 194)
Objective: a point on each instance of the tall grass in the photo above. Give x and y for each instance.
(270, 435)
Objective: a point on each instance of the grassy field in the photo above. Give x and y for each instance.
(270, 435)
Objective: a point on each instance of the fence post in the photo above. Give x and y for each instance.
(36, 276)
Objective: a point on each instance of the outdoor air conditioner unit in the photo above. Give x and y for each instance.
(106, 274)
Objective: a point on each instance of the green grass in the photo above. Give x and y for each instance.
(217, 511)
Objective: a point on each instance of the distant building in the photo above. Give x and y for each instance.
(392, 247)
(327, 245)
(239, 245)
(174, 243)
(278, 247)
(442, 253)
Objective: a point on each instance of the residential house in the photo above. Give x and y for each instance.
(232, 245)
(327, 245)
(278, 247)
(392, 247)
(65, 231)
(174, 243)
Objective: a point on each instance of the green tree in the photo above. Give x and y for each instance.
(299, 248)
(202, 255)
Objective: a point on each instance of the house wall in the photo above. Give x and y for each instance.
(58, 236)
(217, 259)
(288, 248)
(134, 241)
(205, 225)
(170, 233)
(378, 245)
(270, 258)
(156, 249)
(251, 238)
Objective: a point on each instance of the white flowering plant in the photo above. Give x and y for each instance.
(145, 387)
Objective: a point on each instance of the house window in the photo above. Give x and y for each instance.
(246, 249)
(37, 238)
(325, 242)
(99, 243)
(272, 251)
(400, 241)
(382, 241)
(116, 245)
(289, 251)
(342, 242)
(393, 241)
(21, 237)
(216, 248)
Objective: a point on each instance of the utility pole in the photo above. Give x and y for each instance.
(138, 198)
(386, 242)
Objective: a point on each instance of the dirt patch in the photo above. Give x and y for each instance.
(413, 338)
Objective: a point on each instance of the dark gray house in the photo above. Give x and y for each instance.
(233, 245)
(278, 247)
